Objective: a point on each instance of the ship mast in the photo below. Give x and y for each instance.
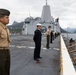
(46, 2)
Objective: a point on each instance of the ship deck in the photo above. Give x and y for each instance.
(22, 63)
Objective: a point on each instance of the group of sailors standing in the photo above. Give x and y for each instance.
(50, 36)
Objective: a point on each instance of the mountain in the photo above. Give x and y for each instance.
(62, 30)
(71, 30)
(16, 27)
(75, 31)
(15, 22)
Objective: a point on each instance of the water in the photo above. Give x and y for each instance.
(68, 35)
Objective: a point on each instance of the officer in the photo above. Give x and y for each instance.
(4, 43)
(48, 36)
(37, 40)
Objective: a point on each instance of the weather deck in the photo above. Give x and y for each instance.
(22, 63)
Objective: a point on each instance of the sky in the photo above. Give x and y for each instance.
(65, 10)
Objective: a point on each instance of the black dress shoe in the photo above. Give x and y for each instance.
(36, 59)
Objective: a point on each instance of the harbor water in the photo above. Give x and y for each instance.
(69, 35)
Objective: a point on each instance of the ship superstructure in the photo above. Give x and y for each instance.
(46, 19)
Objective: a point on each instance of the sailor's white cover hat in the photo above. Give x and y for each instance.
(38, 24)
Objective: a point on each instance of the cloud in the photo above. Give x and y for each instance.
(20, 9)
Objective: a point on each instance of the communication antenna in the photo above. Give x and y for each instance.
(46, 2)
(29, 14)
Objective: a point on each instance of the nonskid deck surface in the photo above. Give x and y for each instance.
(22, 63)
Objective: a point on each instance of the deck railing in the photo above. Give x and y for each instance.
(67, 67)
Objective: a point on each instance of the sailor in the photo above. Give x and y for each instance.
(71, 41)
(4, 43)
(37, 39)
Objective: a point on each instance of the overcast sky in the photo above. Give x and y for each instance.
(20, 9)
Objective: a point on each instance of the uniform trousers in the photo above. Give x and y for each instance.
(4, 62)
(48, 41)
(37, 50)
